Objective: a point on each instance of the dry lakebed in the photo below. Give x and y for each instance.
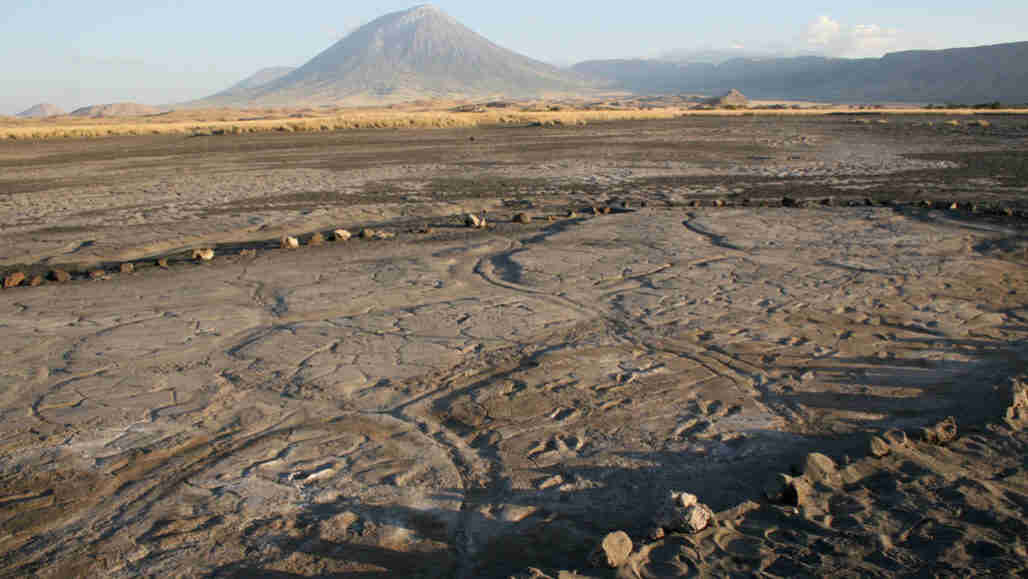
(815, 325)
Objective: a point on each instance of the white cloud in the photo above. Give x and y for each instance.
(833, 38)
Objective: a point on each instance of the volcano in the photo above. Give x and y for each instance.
(420, 53)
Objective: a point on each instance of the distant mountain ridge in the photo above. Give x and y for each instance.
(42, 110)
(417, 53)
(115, 110)
(958, 75)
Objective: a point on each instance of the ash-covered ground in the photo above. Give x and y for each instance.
(692, 305)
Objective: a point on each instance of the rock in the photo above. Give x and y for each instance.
(818, 468)
(788, 202)
(523, 218)
(248, 253)
(572, 215)
(719, 203)
(163, 262)
(127, 268)
(317, 239)
(941, 433)
(367, 233)
(896, 438)
(60, 276)
(97, 274)
(380, 235)
(1017, 411)
(879, 447)
(655, 533)
(613, 551)
(36, 281)
(205, 254)
(684, 512)
(597, 211)
(472, 220)
(290, 242)
(13, 279)
(341, 235)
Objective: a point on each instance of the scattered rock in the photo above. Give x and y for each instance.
(472, 220)
(896, 438)
(879, 447)
(36, 281)
(60, 276)
(317, 239)
(523, 218)
(127, 268)
(13, 279)
(341, 235)
(1017, 411)
(613, 551)
(818, 468)
(941, 433)
(205, 254)
(290, 242)
(97, 274)
(684, 512)
(788, 490)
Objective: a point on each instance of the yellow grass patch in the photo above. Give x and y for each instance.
(225, 122)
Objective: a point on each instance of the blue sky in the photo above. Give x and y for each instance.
(74, 53)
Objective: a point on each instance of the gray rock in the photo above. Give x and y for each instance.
(613, 551)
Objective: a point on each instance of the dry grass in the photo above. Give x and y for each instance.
(228, 122)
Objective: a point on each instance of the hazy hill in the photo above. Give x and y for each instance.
(960, 75)
(40, 111)
(416, 53)
(115, 110)
(259, 79)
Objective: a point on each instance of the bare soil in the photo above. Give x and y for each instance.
(696, 305)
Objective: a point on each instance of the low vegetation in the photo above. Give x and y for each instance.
(220, 122)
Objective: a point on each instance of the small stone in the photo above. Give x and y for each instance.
(97, 274)
(572, 215)
(60, 276)
(474, 221)
(941, 433)
(13, 279)
(248, 253)
(655, 533)
(127, 268)
(290, 242)
(719, 203)
(954, 206)
(163, 263)
(341, 235)
(380, 235)
(605, 210)
(36, 281)
(896, 438)
(317, 239)
(597, 211)
(205, 254)
(684, 512)
(367, 233)
(613, 551)
(879, 447)
(523, 218)
(818, 468)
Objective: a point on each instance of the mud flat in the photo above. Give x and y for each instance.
(693, 305)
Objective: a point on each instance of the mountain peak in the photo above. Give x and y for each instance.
(417, 53)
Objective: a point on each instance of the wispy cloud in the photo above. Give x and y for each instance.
(833, 38)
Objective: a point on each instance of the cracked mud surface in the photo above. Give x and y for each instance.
(473, 403)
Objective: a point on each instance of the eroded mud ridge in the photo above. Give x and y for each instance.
(478, 402)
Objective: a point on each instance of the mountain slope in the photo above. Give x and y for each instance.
(40, 111)
(417, 53)
(963, 75)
